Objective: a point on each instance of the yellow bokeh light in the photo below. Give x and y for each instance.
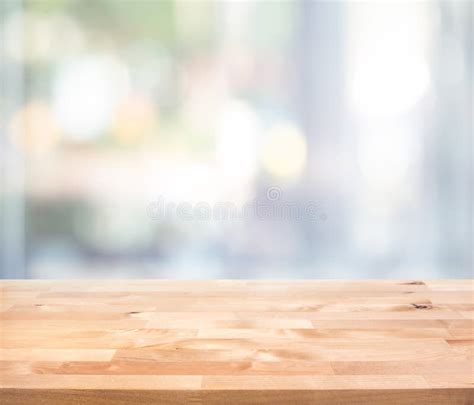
(135, 118)
(34, 129)
(284, 152)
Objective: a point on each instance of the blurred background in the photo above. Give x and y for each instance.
(108, 105)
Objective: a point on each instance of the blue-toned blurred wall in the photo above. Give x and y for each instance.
(126, 126)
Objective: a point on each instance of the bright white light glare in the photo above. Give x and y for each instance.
(86, 94)
(389, 73)
(388, 85)
(237, 136)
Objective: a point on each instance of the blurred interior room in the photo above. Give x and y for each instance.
(364, 108)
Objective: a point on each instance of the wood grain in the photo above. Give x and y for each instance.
(237, 342)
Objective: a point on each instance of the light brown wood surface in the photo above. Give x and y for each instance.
(237, 342)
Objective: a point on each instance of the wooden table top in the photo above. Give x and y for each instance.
(237, 342)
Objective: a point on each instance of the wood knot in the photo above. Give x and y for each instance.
(133, 313)
(415, 282)
(422, 306)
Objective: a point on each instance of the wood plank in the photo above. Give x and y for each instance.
(237, 342)
(56, 354)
